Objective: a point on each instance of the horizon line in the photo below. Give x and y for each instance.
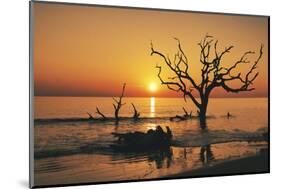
(141, 96)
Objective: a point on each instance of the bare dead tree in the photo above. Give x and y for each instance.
(101, 114)
(213, 73)
(118, 104)
(136, 113)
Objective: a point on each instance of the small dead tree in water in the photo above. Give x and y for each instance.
(190, 114)
(118, 104)
(213, 73)
(101, 114)
(90, 116)
(185, 112)
(136, 113)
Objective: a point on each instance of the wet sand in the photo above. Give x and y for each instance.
(177, 162)
(258, 163)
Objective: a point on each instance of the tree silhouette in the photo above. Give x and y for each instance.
(118, 104)
(213, 73)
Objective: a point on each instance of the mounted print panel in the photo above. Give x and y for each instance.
(123, 94)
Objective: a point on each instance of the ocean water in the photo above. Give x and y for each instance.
(71, 149)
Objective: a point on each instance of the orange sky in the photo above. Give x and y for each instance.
(92, 51)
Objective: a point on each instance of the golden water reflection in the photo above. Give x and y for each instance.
(82, 168)
(152, 106)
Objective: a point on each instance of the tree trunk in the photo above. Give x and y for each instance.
(116, 117)
(202, 118)
(203, 111)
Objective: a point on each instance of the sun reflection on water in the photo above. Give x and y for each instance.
(152, 106)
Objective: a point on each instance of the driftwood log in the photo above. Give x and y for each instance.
(182, 117)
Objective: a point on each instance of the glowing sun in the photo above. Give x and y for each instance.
(152, 87)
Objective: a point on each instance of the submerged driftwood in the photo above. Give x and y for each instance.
(117, 106)
(140, 141)
(186, 116)
(136, 113)
(101, 114)
(90, 116)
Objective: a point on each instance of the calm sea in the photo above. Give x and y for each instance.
(60, 156)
